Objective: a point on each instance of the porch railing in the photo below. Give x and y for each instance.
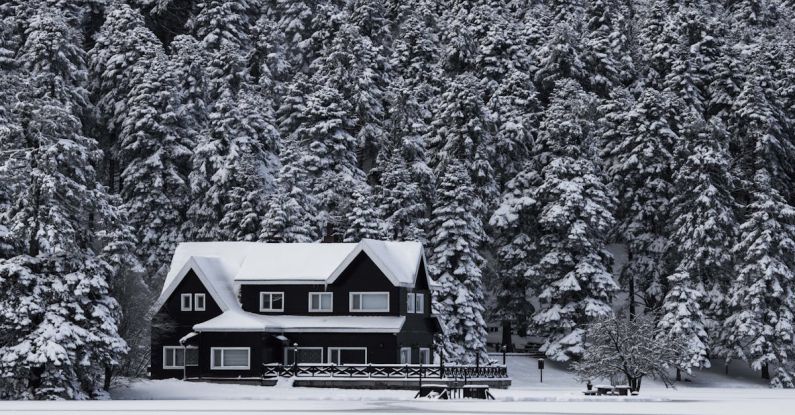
(384, 371)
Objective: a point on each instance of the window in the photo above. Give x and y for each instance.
(419, 303)
(227, 358)
(425, 356)
(372, 302)
(410, 303)
(305, 355)
(347, 355)
(186, 302)
(320, 302)
(174, 357)
(271, 301)
(405, 355)
(198, 301)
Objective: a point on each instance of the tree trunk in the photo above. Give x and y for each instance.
(631, 289)
(108, 377)
(765, 372)
(634, 384)
(678, 375)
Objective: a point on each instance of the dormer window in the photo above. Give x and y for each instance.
(370, 302)
(271, 301)
(186, 302)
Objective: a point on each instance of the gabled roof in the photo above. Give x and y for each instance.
(238, 320)
(223, 265)
(212, 273)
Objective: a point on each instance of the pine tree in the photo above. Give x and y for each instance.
(603, 47)
(59, 323)
(323, 129)
(405, 181)
(641, 171)
(363, 218)
(571, 269)
(559, 58)
(234, 165)
(154, 156)
(463, 131)
(291, 215)
(702, 233)
(759, 329)
(456, 236)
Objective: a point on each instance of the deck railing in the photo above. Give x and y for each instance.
(384, 371)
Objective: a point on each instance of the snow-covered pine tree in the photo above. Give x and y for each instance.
(223, 29)
(570, 268)
(415, 53)
(291, 215)
(59, 323)
(455, 237)
(641, 167)
(322, 129)
(560, 57)
(405, 183)
(363, 217)
(658, 42)
(463, 130)
(123, 53)
(761, 300)
(604, 46)
(234, 165)
(188, 74)
(154, 156)
(357, 68)
(516, 111)
(761, 304)
(702, 236)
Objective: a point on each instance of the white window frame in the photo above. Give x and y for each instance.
(173, 350)
(196, 302)
(410, 303)
(352, 294)
(262, 295)
(401, 356)
(419, 303)
(340, 349)
(430, 357)
(182, 306)
(214, 365)
(321, 293)
(289, 350)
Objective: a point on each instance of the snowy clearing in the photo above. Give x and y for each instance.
(709, 392)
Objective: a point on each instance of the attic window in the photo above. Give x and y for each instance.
(320, 302)
(186, 302)
(271, 301)
(199, 302)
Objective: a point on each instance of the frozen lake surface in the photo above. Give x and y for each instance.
(708, 392)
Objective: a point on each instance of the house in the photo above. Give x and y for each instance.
(226, 308)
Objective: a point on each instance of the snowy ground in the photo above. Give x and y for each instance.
(709, 392)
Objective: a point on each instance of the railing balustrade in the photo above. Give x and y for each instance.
(384, 371)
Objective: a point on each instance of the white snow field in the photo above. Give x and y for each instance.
(708, 393)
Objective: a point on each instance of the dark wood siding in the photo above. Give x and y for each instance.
(380, 347)
(361, 276)
(170, 323)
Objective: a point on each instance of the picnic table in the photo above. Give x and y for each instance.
(600, 390)
(433, 390)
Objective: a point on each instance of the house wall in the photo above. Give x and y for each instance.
(171, 324)
(361, 275)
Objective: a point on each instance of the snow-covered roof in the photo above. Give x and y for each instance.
(213, 273)
(238, 320)
(222, 265)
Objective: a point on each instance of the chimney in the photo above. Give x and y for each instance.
(329, 237)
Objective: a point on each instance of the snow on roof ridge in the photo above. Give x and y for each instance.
(239, 320)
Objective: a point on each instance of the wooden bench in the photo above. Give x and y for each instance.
(589, 392)
(477, 392)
